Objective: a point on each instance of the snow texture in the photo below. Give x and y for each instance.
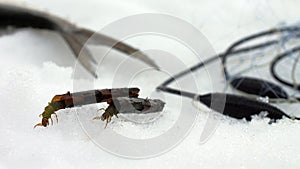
(36, 65)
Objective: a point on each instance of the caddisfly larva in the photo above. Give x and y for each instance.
(130, 105)
(83, 98)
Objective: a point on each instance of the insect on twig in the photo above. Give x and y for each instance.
(83, 98)
(124, 100)
(130, 105)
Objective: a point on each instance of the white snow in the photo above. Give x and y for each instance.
(36, 65)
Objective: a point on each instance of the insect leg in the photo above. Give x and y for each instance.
(56, 117)
(39, 124)
(101, 109)
(51, 121)
(109, 119)
(106, 123)
(97, 118)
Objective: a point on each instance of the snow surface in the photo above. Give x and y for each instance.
(36, 65)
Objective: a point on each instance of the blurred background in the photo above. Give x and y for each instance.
(36, 65)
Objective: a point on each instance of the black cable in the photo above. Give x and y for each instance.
(235, 106)
(230, 51)
(257, 86)
(214, 58)
(251, 37)
(275, 62)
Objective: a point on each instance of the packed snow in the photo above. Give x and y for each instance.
(36, 65)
